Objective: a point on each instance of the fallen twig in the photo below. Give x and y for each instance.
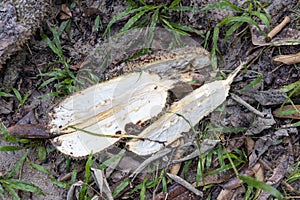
(185, 184)
(278, 28)
(248, 106)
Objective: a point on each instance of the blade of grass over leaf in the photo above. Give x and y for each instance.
(10, 138)
(261, 185)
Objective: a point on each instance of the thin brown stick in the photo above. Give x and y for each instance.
(278, 28)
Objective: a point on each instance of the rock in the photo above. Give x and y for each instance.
(18, 21)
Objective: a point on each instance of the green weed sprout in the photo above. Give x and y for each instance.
(64, 78)
(247, 15)
(151, 16)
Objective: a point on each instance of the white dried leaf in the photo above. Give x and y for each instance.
(102, 183)
(106, 108)
(191, 108)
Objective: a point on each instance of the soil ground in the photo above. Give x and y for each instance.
(275, 152)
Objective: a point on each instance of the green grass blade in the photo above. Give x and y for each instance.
(261, 185)
(119, 16)
(50, 44)
(110, 161)
(288, 112)
(56, 41)
(1, 192)
(209, 159)
(242, 19)
(132, 20)
(186, 167)
(224, 168)
(17, 94)
(55, 72)
(224, 5)
(97, 23)
(24, 186)
(121, 187)
(39, 168)
(11, 148)
(182, 8)
(186, 29)
(17, 166)
(248, 193)
(168, 24)
(230, 129)
(262, 17)
(143, 190)
(206, 39)
(142, 2)
(88, 175)
(10, 138)
(232, 29)
(174, 3)
(200, 174)
(291, 87)
(88, 166)
(252, 83)
(246, 19)
(42, 153)
(11, 191)
(65, 26)
(164, 184)
(132, 3)
(215, 49)
(59, 183)
(73, 175)
(5, 94)
(152, 28)
(23, 100)
(50, 80)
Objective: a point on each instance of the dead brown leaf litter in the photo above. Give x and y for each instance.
(274, 152)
